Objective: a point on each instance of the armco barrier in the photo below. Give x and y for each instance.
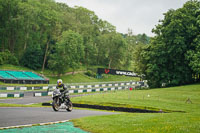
(97, 85)
(76, 86)
(83, 91)
(81, 87)
(23, 88)
(12, 95)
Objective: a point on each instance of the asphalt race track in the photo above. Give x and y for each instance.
(14, 116)
(29, 99)
(26, 100)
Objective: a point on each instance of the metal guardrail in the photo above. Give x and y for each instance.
(11, 95)
(78, 87)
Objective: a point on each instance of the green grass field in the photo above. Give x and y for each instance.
(82, 78)
(173, 98)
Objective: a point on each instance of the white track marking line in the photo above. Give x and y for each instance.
(29, 103)
(30, 125)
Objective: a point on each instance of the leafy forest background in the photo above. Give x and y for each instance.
(43, 34)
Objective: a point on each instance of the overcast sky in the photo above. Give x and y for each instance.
(139, 15)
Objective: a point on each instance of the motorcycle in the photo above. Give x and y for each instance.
(61, 101)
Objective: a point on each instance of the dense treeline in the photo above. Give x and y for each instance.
(43, 34)
(173, 56)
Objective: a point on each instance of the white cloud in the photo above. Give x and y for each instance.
(139, 15)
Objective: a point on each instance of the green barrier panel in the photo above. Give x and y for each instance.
(101, 89)
(21, 95)
(66, 127)
(17, 88)
(10, 95)
(29, 88)
(84, 90)
(3, 88)
(44, 93)
(75, 91)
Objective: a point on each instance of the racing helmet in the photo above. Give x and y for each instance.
(59, 82)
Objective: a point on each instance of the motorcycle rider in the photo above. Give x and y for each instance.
(62, 88)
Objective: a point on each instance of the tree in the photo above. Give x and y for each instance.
(36, 27)
(69, 53)
(9, 22)
(33, 57)
(114, 46)
(89, 29)
(172, 52)
(193, 56)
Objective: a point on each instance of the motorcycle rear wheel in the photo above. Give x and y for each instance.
(69, 107)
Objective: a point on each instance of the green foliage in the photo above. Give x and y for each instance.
(69, 52)
(1, 61)
(57, 63)
(113, 47)
(8, 58)
(24, 23)
(90, 73)
(72, 46)
(9, 24)
(193, 56)
(172, 57)
(33, 57)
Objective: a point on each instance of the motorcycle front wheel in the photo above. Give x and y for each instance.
(55, 104)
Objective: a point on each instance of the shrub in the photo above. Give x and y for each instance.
(8, 58)
(90, 73)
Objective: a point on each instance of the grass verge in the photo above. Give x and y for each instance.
(174, 98)
(20, 105)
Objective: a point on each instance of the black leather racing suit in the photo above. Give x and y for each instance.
(63, 89)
